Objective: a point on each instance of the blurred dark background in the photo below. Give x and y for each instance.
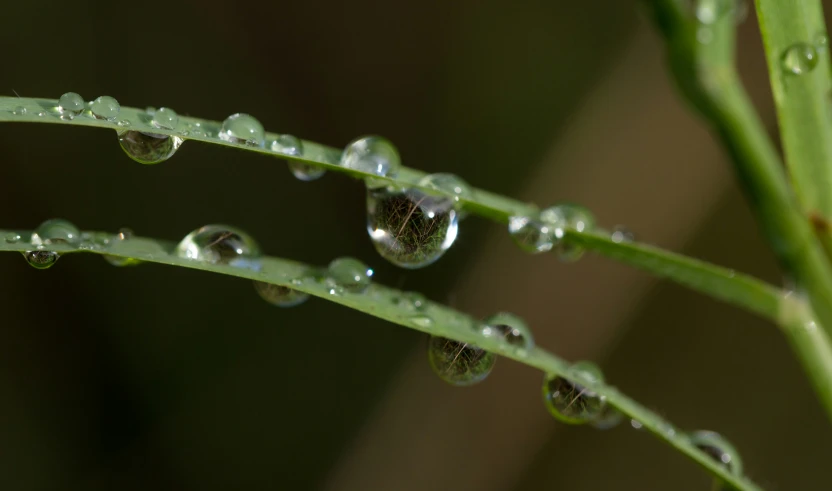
(161, 378)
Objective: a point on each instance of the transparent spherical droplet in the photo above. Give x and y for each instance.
(822, 43)
(55, 231)
(19, 111)
(349, 274)
(122, 235)
(243, 128)
(570, 401)
(411, 301)
(622, 234)
(41, 114)
(278, 295)
(287, 145)
(718, 448)
(195, 130)
(448, 184)
(306, 172)
(532, 234)
(148, 148)
(459, 363)
(568, 217)
(220, 244)
(70, 105)
(41, 259)
(124, 123)
(165, 118)
(421, 320)
(105, 107)
(609, 418)
(800, 58)
(373, 155)
(12, 238)
(710, 12)
(409, 228)
(511, 330)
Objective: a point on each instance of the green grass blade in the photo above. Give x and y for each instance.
(379, 301)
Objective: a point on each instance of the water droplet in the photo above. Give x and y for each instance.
(41, 259)
(349, 274)
(422, 321)
(105, 107)
(12, 238)
(148, 148)
(195, 130)
(409, 228)
(244, 129)
(800, 58)
(718, 448)
(512, 330)
(281, 296)
(220, 244)
(411, 301)
(287, 145)
(122, 235)
(457, 363)
(55, 231)
(306, 172)
(373, 155)
(621, 234)
(636, 424)
(609, 418)
(568, 400)
(822, 43)
(710, 12)
(448, 184)
(41, 114)
(568, 217)
(123, 123)
(532, 234)
(165, 118)
(19, 111)
(70, 105)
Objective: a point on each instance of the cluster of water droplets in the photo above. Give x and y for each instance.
(546, 230)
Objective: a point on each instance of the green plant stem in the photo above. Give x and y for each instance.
(701, 57)
(379, 301)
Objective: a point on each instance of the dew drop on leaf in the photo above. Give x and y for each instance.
(70, 105)
(610, 417)
(373, 155)
(511, 330)
(348, 274)
(19, 111)
(12, 238)
(800, 58)
(123, 234)
(531, 234)
(41, 259)
(220, 244)
(718, 448)
(410, 228)
(621, 234)
(243, 129)
(278, 295)
(568, 217)
(164, 118)
(410, 301)
(287, 145)
(449, 184)
(105, 107)
(55, 231)
(458, 363)
(148, 148)
(568, 400)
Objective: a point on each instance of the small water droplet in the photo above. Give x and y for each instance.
(800, 58)
(55, 231)
(512, 330)
(373, 155)
(448, 184)
(287, 145)
(122, 235)
(568, 217)
(708, 12)
(349, 274)
(457, 363)
(244, 129)
(19, 111)
(609, 418)
(278, 295)
(306, 172)
(12, 238)
(41, 259)
(105, 107)
(422, 321)
(411, 301)
(718, 448)
(220, 244)
(124, 123)
(822, 43)
(621, 234)
(532, 234)
(636, 424)
(70, 105)
(571, 402)
(165, 118)
(195, 130)
(409, 228)
(148, 148)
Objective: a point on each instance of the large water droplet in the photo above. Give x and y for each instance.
(349, 274)
(570, 401)
(70, 105)
(105, 107)
(122, 235)
(41, 259)
(532, 234)
(148, 148)
(220, 244)
(55, 231)
(800, 58)
(448, 184)
(718, 448)
(165, 118)
(409, 228)
(459, 363)
(243, 128)
(372, 154)
(281, 296)
(511, 330)
(568, 217)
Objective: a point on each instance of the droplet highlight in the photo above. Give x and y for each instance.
(19, 111)
(55, 231)
(70, 105)
(243, 129)
(164, 118)
(123, 234)
(148, 148)
(532, 234)
(570, 401)
(718, 448)
(511, 330)
(105, 107)
(622, 234)
(349, 274)
(800, 58)
(459, 364)
(567, 217)
(279, 295)
(373, 155)
(220, 244)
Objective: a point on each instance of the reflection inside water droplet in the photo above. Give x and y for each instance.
(220, 244)
(148, 148)
(511, 330)
(348, 274)
(372, 154)
(457, 363)
(41, 259)
(570, 401)
(278, 295)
